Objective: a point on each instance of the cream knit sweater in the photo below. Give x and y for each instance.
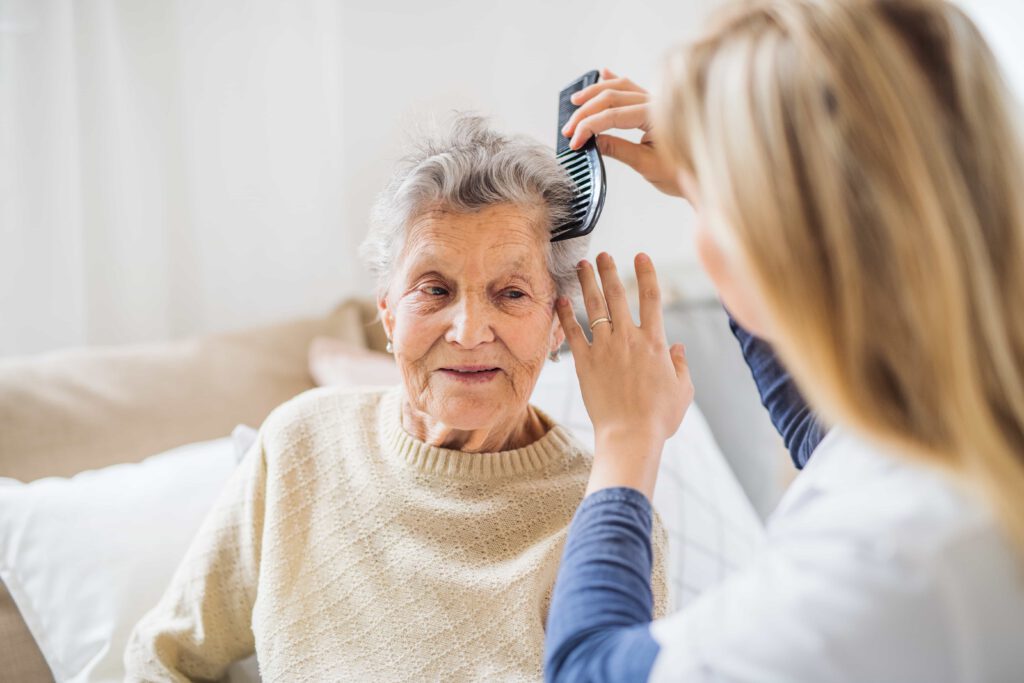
(343, 549)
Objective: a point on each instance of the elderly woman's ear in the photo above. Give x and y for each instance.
(387, 318)
(557, 336)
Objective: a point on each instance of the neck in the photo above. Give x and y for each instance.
(515, 433)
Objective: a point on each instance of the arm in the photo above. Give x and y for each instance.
(602, 605)
(617, 102)
(202, 624)
(800, 429)
(636, 391)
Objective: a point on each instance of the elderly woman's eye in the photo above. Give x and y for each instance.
(434, 290)
(514, 294)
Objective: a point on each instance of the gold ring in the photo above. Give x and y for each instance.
(598, 322)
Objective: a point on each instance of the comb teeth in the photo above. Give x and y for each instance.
(583, 166)
(578, 166)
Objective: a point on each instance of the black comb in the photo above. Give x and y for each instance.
(584, 166)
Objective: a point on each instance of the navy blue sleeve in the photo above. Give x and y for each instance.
(800, 429)
(599, 622)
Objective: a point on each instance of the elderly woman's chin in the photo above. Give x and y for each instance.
(469, 399)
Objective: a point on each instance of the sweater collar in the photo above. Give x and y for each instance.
(555, 446)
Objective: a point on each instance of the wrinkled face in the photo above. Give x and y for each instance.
(470, 312)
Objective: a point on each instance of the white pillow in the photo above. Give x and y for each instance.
(712, 527)
(84, 558)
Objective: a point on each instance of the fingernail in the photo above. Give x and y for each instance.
(581, 264)
(572, 98)
(643, 258)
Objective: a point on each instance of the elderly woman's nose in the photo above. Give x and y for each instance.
(471, 323)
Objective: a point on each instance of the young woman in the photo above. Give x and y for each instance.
(856, 173)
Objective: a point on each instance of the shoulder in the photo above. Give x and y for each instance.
(320, 415)
(858, 489)
(918, 548)
(883, 507)
(869, 552)
(317, 401)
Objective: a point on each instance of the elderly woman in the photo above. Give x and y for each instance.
(409, 534)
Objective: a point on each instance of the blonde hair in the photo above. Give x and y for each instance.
(863, 159)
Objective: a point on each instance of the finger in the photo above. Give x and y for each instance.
(573, 332)
(623, 118)
(614, 292)
(594, 90)
(606, 100)
(650, 295)
(593, 298)
(633, 155)
(627, 84)
(678, 354)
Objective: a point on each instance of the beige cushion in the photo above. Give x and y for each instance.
(68, 411)
(64, 412)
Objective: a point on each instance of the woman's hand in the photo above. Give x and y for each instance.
(620, 103)
(636, 389)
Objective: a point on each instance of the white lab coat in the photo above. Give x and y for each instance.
(876, 569)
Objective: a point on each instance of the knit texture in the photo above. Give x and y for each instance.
(344, 549)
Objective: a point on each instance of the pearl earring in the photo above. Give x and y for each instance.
(390, 348)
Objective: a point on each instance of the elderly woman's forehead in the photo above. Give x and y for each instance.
(495, 227)
(512, 214)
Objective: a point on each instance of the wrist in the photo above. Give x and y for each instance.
(627, 458)
(638, 440)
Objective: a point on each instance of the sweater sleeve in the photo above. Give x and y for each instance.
(800, 429)
(203, 622)
(599, 623)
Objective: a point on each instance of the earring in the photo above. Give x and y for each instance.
(555, 356)
(390, 348)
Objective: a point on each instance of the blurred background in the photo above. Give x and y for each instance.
(172, 168)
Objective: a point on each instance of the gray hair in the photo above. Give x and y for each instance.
(467, 168)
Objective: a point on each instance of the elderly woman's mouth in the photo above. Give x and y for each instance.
(470, 373)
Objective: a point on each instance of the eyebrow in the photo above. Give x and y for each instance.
(518, 274)
(514, 274)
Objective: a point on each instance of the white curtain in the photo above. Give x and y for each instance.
(165, 167)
